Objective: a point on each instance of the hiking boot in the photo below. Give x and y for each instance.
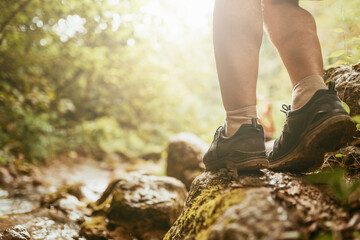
(245, 150)
(321, 125)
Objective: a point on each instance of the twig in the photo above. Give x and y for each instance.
(12, 15)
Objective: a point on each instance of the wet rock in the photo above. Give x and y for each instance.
(19, 176)
(184, 161)
(12, 231)
(68, 203)
(17, 232)
(64, 201)
(74, 209)
(266, 205)
(143, 206)
(17, 200)
(46, 224)
(77, 190)
(347, 81)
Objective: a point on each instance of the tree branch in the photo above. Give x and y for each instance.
(13, 14)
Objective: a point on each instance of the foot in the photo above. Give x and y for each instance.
(245, 150)
(321, 125)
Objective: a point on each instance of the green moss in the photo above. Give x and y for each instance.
(118, 196)
(204, 207)
(215, 208)
(356, 234)
(95, 228)
(103, 207)
(95, 222)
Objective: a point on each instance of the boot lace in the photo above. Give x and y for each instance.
(278, 142)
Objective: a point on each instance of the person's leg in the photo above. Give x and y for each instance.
(238, 30)
(292, 29)
(317, 122)
(237, 39)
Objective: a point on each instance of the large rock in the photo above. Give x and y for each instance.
(138, 205)
(264, 206)
(184, 161)
(347, 81)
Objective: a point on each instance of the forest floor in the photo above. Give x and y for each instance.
(54, 200)
(23, 188)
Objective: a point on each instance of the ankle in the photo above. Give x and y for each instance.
(236, 118)
(305, 89)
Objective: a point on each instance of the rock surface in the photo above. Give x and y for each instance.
(47, 224)
(138, 205)
(347, 81)
(267, 205)
(184, 161)
(10, 231)
(5, 176)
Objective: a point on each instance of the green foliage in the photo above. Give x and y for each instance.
(324, 236)
(335, 180)
(101, 75)
(339, 30)
(5, 157)
(347, 108)
(339, 155)
(25, 128)
(357, 120)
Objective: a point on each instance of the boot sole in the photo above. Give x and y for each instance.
(246, 165)
(215, 165)
(308, 155)
(234, 160)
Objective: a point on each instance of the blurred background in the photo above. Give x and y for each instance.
(103, 76)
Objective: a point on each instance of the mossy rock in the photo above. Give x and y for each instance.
(347, 79)
(266, 205)
(208, 198)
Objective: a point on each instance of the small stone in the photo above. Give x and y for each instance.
(5, 176)
(68, 203)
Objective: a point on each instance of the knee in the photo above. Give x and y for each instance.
(274, 3)
(277, 10)
(285, 19)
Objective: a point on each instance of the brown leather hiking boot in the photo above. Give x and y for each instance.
(245, 150)
(321, 125)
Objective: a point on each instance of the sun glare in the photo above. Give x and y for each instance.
(176, 19)
(181, 16)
